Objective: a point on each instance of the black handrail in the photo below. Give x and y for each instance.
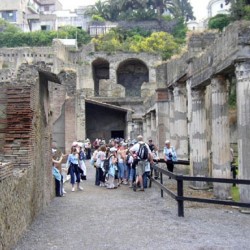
(180, 198)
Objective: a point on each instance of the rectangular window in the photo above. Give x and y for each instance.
(9, 16)
(45, 27)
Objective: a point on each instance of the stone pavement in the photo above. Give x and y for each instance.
(97, 218)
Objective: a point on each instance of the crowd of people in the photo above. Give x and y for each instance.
(117, 162)
(126, 164)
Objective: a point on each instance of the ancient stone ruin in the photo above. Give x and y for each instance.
(62, 95)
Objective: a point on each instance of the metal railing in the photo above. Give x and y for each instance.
(180, 198)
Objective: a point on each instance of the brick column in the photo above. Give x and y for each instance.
(243, 112)
(199, 154)
(220, 136)
(180, 116)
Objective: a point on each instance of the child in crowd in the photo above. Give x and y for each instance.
(58, 177)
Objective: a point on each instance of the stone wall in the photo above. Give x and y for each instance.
(12, 58)
(3, 118)
(157, 25)
(29, 189)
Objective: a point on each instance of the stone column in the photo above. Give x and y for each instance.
(148, 121)
(70, 123)
(153, 125)
(180, 116)
(129, 131)
(220, 136)
(171, 119)
(144, 126)
(80, 117)
(162, 118)
(153, 119)
(199, 154)
(243, 113)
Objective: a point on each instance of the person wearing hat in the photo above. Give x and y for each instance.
(169, 156)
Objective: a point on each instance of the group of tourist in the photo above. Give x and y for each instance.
(117, 163)
(120, 162)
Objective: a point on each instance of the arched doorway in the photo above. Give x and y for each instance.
(131, 74)
(100, 69)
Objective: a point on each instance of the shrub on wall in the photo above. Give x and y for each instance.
(161, 43)
(11, 36)
(219, 22)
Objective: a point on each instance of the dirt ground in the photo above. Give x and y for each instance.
(98, 218)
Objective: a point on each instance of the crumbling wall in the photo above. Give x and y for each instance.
(30, 187)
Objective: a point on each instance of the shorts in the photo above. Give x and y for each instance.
(140, 168)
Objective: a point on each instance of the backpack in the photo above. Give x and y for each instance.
(106, 164)
(143, 152)
(81, 156)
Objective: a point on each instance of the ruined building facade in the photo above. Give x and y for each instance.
(62, 95)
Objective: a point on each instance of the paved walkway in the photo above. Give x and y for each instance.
(97, 218)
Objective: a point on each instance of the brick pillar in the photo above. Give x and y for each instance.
(199, 154)
(243, 112)
(180, 116)
(220, 136)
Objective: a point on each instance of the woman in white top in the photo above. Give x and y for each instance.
(169, 156)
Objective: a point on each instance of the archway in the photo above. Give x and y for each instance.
(131, 74)
(100, 69)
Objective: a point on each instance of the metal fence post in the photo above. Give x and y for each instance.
(161, 184)
(180, 195)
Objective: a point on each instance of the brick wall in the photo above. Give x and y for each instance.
(28, 189)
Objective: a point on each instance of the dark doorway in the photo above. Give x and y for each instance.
(104, 122)
(117, 134)
(100, 71)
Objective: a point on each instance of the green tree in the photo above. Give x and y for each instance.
(239, 9)
(159, 43)
(219, 21)
(8, 27)
(129, 41)
(180, 31)
(114, 10)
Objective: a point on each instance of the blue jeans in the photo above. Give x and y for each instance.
(121, 169)
(131, 175)
(74, 173)
(145, 179)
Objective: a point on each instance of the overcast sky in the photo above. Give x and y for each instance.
(199, 6)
